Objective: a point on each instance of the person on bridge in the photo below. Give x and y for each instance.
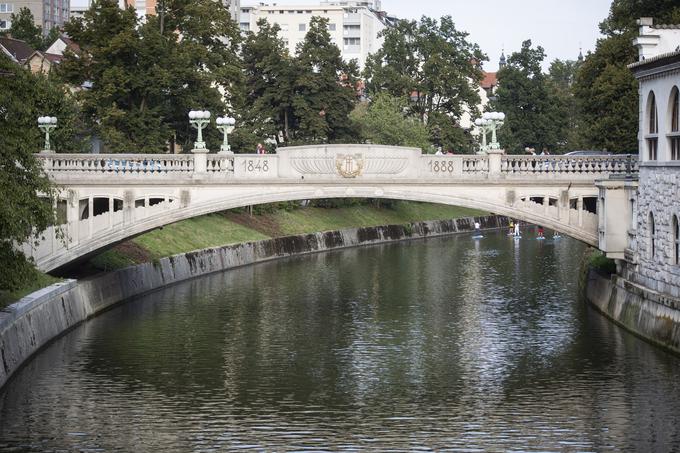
(260, 149)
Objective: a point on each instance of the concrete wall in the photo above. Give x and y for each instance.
(31, 323)
(651, 315)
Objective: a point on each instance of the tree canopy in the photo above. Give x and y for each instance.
(383, 121)
(435, 67)
(23, 27)
(535, 116)
(145, 77)
(605, 89)
(25, 191)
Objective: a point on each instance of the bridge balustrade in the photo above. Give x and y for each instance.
(147, 191)
(278, 166)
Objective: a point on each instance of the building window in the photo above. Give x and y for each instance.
(6, 7)
(676, 240)
(352, 41)
(653, 128)
(652, 237)
(674, 136)
(331, 27)
(302, 27)
(4, 24)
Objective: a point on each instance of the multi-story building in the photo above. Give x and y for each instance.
(46, 13)
(655, 228)
(144, 7)
(354, 26)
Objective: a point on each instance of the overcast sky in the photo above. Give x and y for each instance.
(560, 26)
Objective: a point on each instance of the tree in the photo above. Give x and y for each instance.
(560, 82)
(24, 28)
(325, 92)
(383, 121)
(145, 79)
(605, 89)
(430, 63)
(269, 75)
(26, 192)
(535, 117)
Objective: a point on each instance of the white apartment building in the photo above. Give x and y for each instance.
(353, 25)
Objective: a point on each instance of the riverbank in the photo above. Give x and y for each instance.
(268, 222)
(35, 320)
(650, 315)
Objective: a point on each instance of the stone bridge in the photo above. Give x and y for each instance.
(107, 198)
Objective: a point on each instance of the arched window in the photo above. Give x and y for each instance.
(652, 128)
(676, 240)
(674, 136)
(652, 237)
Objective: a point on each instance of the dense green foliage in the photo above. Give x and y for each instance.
(605, 89)
(383, 121)
(535, 115)
(436, 68)
(25, 192)
(23, 27)
(144, 79)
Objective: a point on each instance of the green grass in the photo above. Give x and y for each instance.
(218, 229)
(310, 220)
(40, 281)
(111, 260)
(193, 234)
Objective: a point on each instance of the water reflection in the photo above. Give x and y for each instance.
(440, 344)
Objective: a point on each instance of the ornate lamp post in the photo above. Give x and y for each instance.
(47, 124)
(490, 122)
(199, 119)
(226, 125)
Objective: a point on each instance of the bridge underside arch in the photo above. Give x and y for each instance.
(91, 235)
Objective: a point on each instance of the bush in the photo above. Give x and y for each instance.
(601, 263)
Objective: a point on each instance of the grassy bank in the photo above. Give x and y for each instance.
(232, 227)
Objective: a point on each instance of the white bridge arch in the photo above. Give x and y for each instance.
(108, 198)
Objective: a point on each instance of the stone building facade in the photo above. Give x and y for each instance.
(654, 251)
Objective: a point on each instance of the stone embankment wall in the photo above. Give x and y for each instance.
(649, 314)
(31, 323)
(657, 197)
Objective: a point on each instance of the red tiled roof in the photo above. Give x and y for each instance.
(489, 80)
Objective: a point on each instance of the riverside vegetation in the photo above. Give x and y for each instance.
(239, 225)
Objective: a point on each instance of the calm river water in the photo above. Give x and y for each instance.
(450, 344)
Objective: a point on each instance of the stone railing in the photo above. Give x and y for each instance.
(351, 163)
(586, 165)
(118, 163)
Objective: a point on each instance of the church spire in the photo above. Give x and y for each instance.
(502, 62)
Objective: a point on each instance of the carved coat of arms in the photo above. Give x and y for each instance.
(349, 165)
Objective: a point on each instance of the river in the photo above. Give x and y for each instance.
(447, 344)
